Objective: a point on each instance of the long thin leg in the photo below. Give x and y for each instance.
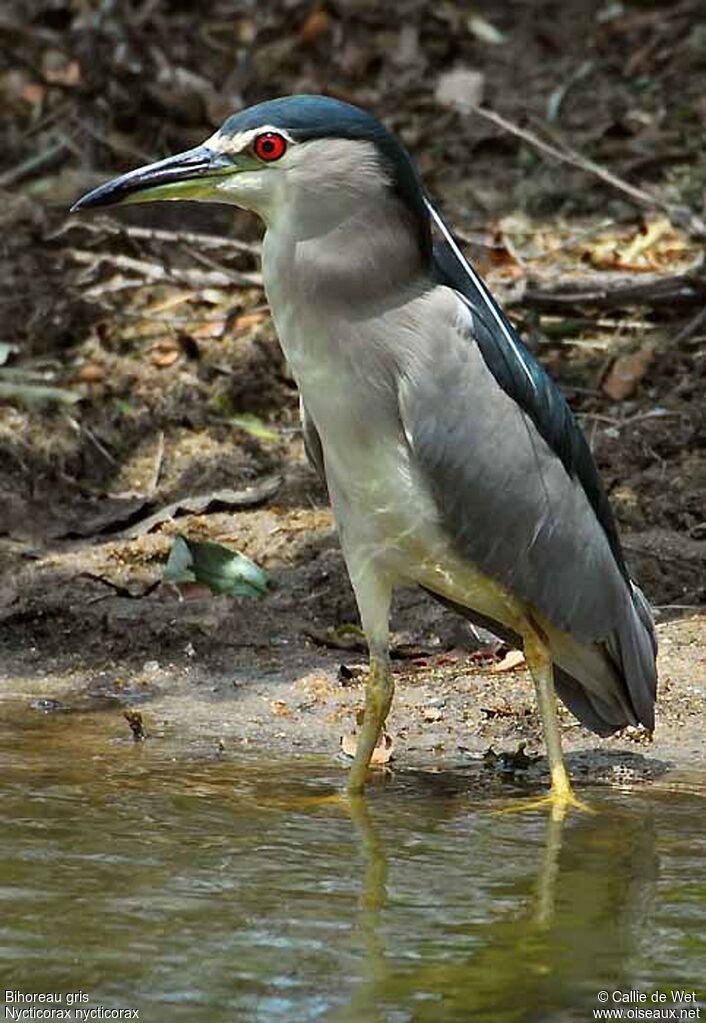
(539, 661)
(373, 594)
(379, 690)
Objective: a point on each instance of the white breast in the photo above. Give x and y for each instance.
(384, 508)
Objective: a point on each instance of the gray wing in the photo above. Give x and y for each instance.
(312, 442)
(513, 508)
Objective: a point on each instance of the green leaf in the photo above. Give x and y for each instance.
(485, 30)
(31, 394)
(220, 568)
(125, 408)
(254, 426)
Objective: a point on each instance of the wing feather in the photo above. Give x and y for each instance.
(523, 377)
(312, 443)
(516, 509)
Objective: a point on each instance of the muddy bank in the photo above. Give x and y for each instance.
(93, 628)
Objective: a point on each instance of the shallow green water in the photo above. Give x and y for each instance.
(205, 888)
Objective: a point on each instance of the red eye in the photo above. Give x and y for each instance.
(270, 146)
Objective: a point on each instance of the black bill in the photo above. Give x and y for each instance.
(177, 177)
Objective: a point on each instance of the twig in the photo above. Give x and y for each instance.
(105, 225)
(34, 164)
(151, 488)
(682, 214)
(559, 94)
(591, 392)
(157, 272)
(610, 291)
(121, 147)
(101, 447)
(56, 114)
(207, 261)
(677, 607)
(690, 328)
(638, 417)
(680, 559)
(122, 591)
(111, 287)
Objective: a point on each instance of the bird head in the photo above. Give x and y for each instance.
(294, 152)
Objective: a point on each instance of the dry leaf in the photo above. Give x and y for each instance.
(316, 25)
(164, 305)
(654, 246)
(206, 330)
(319, 687)
(349, 743)
(348, 674)
(461, 89)
(134, 719)
(432, 713)
(512, 659)
(246, 30)
(484, 30)
(250, 319)
(626, 373)
(645, 239)
(382, 754)
(194, 591)
(167, 359)
(15, 85)
(343, 637)
(67, 75)
(251, 494)
(91, 374)
(503, 710)
(33, 93)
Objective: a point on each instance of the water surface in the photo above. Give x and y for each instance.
(199, 887)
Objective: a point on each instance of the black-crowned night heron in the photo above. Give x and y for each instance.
(451, 459)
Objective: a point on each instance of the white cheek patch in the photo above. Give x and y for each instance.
(231, 145)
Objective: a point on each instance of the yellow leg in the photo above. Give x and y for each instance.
(561, 796)
(379, 690)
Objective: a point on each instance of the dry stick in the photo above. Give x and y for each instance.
(151, 488)
(602, 291)
(108, 226)
(205, 260)
(690, 328)
(34, 164)
(94, 440)
(693, 223)
(111, 287)
(156, 272)
(47, 121)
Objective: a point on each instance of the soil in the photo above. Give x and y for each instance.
(181, 388)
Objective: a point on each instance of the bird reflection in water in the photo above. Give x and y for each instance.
(538, 936)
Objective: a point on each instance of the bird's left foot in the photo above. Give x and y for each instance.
(560, 800)
(558, 803)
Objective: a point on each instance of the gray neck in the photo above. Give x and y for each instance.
(328, 249)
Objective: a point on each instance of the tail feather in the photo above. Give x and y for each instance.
(590, 682)
(636, 655)
(578, 700)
